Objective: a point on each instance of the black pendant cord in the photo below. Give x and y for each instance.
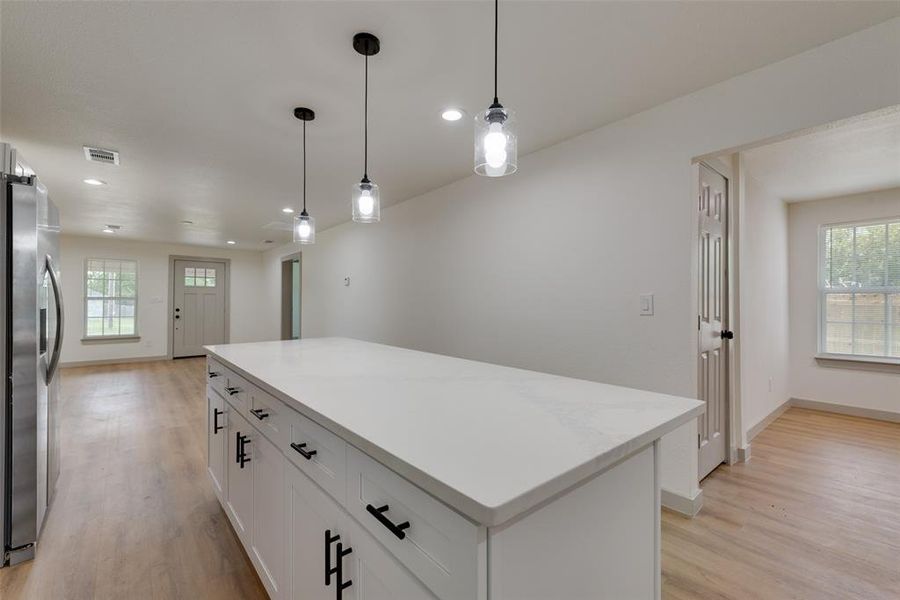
(366, 125)
(496, 34)
(304, 168)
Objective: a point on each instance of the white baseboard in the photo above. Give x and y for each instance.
(843, 409)
(684, 505)
(743, 454)
(768, 419)
(111, 361)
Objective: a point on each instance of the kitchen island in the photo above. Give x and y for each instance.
(357, 470)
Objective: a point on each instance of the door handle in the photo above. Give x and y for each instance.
(396, 529)
(307, 454)
(216, 426)
(726, 334)
(60, 319)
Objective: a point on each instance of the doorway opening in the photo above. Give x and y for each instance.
(291, 281)
(199, 304)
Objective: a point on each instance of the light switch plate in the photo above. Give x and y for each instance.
(646, 301)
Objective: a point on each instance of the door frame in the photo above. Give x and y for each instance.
(170, 301)
(729, 167)
(287, 295)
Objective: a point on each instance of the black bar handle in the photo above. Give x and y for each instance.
(396, 529)
(232, 391)
(307, 454)
(213, 374)
(237, 447)
(339, 574)
(259, 413)
(329, 570)
(243, 440)
(216, 426)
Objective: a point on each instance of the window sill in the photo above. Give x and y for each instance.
(866, 363)
(112, 339)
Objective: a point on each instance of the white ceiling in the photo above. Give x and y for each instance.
(197, 96)
(853, 158)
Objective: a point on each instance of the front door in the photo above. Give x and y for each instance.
(712, 377)
(199, 307)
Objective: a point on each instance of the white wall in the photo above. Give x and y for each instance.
(764, 322)
(811, 381)
(153, 292)
(543, 269)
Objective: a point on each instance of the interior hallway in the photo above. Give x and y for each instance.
(815, 514)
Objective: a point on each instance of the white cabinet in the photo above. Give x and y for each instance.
(217, 442)
(267, 468)
(239, 476)
(331, 557)
(311, 516)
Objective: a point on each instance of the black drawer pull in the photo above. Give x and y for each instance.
(339, 572)
(307, 454)
(378, 513)
(232, 391)
(213, 374)
(216, 426)
(329, 539)
(259, 413)
(242, 441)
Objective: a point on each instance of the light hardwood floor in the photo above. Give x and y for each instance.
(814, 515)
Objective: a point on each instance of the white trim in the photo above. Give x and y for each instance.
(112, 361)
(843, 409)
(170, 321)
(823, 292)
(858, 358)
(85, 298)
(767, 420)
(684, 505)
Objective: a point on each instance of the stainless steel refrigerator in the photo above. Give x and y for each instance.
(31, 322)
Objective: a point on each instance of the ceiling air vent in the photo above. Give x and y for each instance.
(101, 155)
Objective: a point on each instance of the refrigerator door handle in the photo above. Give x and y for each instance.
(60, 317)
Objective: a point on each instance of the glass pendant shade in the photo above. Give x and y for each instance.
(495, 142)
(305, 229)
(366, 202)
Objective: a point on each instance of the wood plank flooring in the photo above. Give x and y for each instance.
(814, 515)
(134, 516)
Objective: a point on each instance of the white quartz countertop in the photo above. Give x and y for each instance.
(489, 441)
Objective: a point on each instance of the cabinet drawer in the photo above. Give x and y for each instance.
(438, 545)
(216, 376)
(318, 453)
(269, 415)
(236, 390)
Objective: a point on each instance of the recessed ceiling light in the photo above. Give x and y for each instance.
(231, 242)
(108, 230)
(94, 181)
(452, 114)
(286, 210)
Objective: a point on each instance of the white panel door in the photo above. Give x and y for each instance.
(199, 307)
(713, 303)
(268, 513)
(217, 447)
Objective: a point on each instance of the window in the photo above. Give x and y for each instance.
(859, 291)
(110, 302)
(194, 277)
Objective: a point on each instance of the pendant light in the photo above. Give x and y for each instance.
(495, 132)
(365, 201)
(304, 225)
